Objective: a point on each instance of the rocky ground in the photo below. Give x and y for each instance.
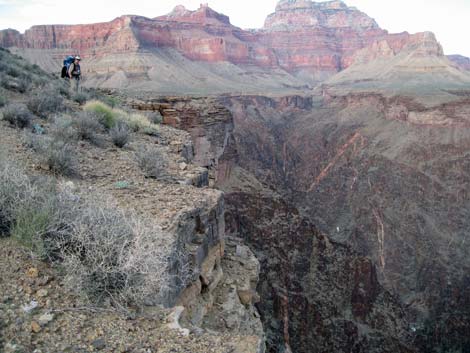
(39, 315)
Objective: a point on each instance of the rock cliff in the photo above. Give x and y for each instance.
(302, 42)
(346, 200)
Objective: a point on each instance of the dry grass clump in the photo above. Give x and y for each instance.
(62, 128)
(139, 122)
(14, 186)
(107, 116)
(116, 256)
(18, 115)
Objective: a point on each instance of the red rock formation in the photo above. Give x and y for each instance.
(308, 39)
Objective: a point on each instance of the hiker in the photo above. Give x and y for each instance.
(74, 73)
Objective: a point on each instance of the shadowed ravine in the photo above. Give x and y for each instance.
(358, 217)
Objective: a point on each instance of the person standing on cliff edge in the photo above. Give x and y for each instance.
(74, 73)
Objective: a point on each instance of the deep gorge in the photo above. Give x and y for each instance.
(350, 213)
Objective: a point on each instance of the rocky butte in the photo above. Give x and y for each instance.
(342, 151)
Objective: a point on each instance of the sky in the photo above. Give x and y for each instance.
(448, 19)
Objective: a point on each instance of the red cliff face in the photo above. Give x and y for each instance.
(318, 38)
(307, 39)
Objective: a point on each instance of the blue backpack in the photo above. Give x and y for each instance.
(67, 62)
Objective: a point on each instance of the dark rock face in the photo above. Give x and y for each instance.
(357, 211)
(316, 294)
(392, 194)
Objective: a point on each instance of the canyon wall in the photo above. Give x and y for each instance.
(355, 209)
(302, 40)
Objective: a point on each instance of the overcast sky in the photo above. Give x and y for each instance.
(448, 19)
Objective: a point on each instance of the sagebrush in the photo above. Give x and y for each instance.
(152, 162)
(18, 114)
(107, 253)
(46, 102)
(120, 134)
(88, 127)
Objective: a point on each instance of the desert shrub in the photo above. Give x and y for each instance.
(106, 253)
(155, 117)
(17, 115)
(21, 84)
(46, 102)
(63, 128)
(113, 102)
(61, 158)
(152, 162)
(13, 71)
(120, 134)
(116, 256)
(43, 221)
(80, 98)
(24, 84)
(107, 116)
(3, 100)
(58, 155)
(138, 122)
(87, 126)
(62, 86)
(14, 186)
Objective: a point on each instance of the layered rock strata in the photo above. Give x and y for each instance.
(303, 39)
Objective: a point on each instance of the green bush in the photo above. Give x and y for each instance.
(107, 116)
(18, 115)
(113, 102)
(155, 117)
(120, 134)
(80, 98)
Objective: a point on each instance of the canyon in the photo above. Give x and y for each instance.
(342, 152)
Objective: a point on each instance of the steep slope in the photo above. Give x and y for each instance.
(382, 169)
(419, 69)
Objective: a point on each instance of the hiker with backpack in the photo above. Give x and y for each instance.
(71, 70)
